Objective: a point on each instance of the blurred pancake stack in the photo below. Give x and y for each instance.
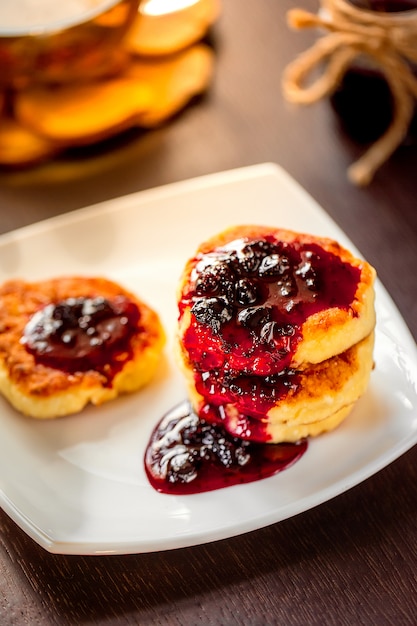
(154, 67)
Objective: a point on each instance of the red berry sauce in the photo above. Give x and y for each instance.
(188, 455)
(249, 300)
(79, 334)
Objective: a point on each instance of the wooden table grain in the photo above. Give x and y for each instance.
(351, 561)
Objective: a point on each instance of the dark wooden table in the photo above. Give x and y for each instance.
(350, 561)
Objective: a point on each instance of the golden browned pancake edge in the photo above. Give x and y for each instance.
(327, 332)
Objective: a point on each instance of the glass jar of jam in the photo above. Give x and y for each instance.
(363, 100)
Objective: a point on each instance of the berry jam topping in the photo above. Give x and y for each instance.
(249, 300)
(251, 296)
(188, 455)
(79, 334)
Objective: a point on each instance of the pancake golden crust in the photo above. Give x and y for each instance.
(275, 332)
(40, 390)
(327, 332)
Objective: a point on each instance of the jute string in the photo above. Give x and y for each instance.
(387, 40)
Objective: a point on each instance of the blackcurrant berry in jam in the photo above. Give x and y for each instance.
(274, 265)
(212, 311)
(254, 317)
(214, 278)
(268, 332)
(251, 256)
(245, 292)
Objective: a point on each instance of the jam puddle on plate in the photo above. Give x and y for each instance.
(187, 455)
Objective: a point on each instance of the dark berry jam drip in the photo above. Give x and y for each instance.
(249, 301)
(79, 334)
(254, 395)
(187, 455)
(239, 419)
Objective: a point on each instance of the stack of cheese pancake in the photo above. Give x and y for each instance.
(69, 341)
(276, 332)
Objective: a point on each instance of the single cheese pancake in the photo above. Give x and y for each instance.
(275, 332)
(70, 341)
(277, 279)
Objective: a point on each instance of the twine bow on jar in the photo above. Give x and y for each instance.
(388, 41)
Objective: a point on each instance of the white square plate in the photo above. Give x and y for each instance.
(77, 485)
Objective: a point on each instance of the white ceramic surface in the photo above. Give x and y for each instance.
(77, 485)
